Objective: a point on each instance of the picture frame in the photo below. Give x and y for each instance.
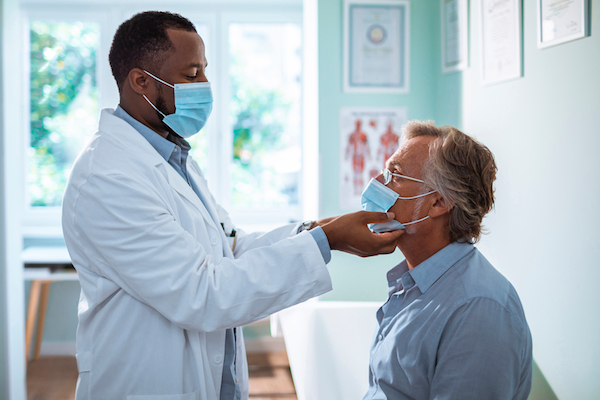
(501, 32)
(561, 22)
(376, 46)
(455, 35)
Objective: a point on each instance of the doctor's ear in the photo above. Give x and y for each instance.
(440, 206)
(138, 80)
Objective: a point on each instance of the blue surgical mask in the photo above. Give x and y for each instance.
(193, 104)
(379, 198)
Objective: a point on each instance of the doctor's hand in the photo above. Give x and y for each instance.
(349, 233)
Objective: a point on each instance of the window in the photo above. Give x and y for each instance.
(251, 149)
(63, 103)
(265, 73)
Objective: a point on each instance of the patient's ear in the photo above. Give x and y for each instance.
(440, 206)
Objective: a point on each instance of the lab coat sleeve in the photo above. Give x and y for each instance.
(130, 233)
(248, 241)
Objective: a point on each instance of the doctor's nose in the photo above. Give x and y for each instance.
(202, 77)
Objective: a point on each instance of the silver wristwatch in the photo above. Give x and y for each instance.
(306, 226)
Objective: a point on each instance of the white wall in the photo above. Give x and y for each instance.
(12, 350)
(3, 342)
(544, 132)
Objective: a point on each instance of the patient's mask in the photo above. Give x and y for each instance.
(379, 198)
(193, 104)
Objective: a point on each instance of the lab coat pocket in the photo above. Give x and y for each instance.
(84, 361)
(187, 396)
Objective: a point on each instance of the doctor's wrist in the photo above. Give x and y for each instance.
(306, 226)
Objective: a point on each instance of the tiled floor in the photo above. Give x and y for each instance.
(54, 378)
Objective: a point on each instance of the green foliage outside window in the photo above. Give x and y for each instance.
(63, 103)
(259, 124)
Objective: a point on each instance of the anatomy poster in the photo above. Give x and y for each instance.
(368, 137)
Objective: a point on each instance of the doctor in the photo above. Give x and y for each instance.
(162, 290)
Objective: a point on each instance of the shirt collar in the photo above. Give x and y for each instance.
(160, 144)
(430, 270)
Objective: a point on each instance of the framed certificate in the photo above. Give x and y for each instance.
(376, 46)
(455, 35)
(560, 21)
(501, 41)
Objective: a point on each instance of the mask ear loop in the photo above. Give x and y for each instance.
(158, 79)
(416, 197)
(161, 81)
(153, 106)
(417, 221)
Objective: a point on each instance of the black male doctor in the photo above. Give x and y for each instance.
(162, 290)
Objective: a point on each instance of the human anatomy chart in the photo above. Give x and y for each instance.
(368, 137)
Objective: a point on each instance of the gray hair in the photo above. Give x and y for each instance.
(463, 172)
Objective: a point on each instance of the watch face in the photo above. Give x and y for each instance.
(306, 225)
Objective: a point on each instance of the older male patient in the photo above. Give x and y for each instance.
(453, 327)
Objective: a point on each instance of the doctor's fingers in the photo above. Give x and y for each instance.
(372, 245)
(381, 243)
(370, 217)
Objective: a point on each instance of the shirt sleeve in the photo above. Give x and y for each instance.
(321, 239)
(484, 353)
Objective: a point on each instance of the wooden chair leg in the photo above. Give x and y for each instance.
(41, 318)
(32, 309)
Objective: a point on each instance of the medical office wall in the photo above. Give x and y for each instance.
(543, 129)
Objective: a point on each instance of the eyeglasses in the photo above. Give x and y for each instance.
(387, 176)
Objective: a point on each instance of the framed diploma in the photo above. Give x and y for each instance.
(501, 40)
(376, 46)
(560, 21)
(455, 35)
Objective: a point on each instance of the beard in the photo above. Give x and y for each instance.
(162, 106)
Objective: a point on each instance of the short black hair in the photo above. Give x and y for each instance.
(142, 42)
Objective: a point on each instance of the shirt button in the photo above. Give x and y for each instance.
(214, 241)
(380, 338)
(218, 359)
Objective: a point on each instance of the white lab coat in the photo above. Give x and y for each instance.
(159, 282)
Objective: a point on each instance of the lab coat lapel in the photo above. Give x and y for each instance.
(202, 185)
(124, 133)
(185, 190)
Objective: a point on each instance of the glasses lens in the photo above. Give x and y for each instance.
(387, 176)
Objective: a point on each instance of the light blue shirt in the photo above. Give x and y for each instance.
(453, 328)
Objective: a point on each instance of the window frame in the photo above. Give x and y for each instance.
(46, 221)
